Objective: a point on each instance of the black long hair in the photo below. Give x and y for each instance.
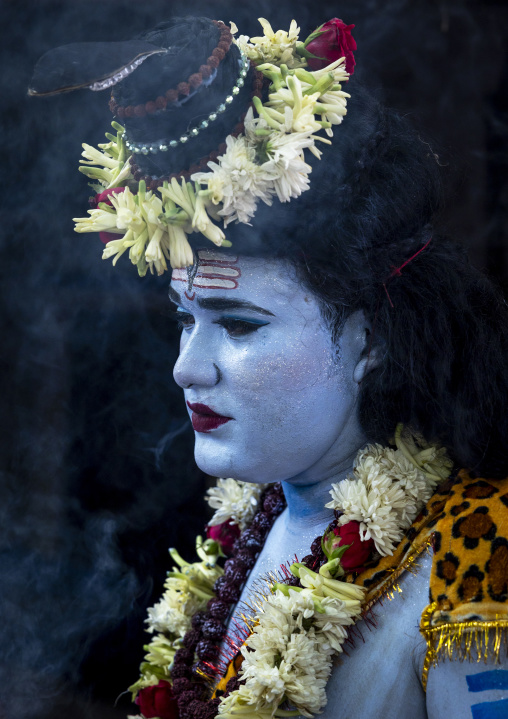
(374, 199)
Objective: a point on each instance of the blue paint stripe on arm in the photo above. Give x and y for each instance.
(494, 679)
(491, 710)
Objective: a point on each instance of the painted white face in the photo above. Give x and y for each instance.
(268, 396)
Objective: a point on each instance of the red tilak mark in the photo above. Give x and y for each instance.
(188, 296)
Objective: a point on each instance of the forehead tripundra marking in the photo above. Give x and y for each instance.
(215, 271)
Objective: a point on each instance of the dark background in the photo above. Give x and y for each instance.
(98, 477)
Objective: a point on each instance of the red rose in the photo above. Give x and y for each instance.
(355, 557)
(330, 42)
(225, 534)
(104, 196)
(158, 701)
(106, 237)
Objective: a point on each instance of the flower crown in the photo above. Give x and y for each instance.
(264, 161)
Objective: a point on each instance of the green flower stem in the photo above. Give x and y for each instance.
(305, 76)
(275, 114)
(175, 556)
(262, 132)
(322, 85)
(332, 569)
(264, 114)
(199, 591)
(141, 192)
(95, 173)
(286, 713)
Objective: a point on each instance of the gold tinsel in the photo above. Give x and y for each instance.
(472, 641)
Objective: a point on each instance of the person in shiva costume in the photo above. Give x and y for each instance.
(331, 319)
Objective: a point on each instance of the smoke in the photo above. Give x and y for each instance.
(98, 473)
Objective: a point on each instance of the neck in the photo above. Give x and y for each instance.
(306, 496)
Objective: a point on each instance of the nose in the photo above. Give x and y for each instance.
(195, 366)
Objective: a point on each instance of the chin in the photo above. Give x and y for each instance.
(218, 459)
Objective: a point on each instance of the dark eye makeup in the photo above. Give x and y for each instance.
(234, 326)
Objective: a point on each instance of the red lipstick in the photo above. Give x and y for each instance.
(205, 419)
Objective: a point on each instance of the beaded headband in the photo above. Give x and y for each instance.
(297, 93)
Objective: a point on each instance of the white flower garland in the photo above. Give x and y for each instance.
(235, 502)
(267, 161)
(294, 632)
(389, 487)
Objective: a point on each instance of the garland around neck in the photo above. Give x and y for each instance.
(296, 619)
(264, 162)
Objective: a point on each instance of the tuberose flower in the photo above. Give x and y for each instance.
(329, 42)
(278, 47)
(233, 501)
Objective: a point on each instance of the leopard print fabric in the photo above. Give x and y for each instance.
(466, 524)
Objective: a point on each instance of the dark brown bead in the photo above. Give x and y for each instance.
(137, 175)
(229, 593)
(171, 95)
(245, 558)
(219, 53)
(273, 504)
(203, 162)
(311, 561)
(316, 548)
(161, 102)
(191, 638)
(150, 107)
(179, 671)
(193, 169)
(219, 583)
(183, 88)
(224, 45)
(120, 112)
(222, 148)
(198, 619)
(139, 111)
(205, 71)
(218, 609)
(213, 629)
(195, 80)
(184, 656)
(206, 649)
(262, 522)
(214, 155)
(187, 697)
(129, 111)
(182, 685)
(213, 61)
(202, 710)
(250, 539)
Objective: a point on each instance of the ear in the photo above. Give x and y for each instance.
(367, 351)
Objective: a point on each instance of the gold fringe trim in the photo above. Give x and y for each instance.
(471, 641)
(389, 584)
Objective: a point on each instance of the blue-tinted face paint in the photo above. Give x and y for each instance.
(269, 365)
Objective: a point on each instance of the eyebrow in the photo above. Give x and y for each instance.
(220, 304)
